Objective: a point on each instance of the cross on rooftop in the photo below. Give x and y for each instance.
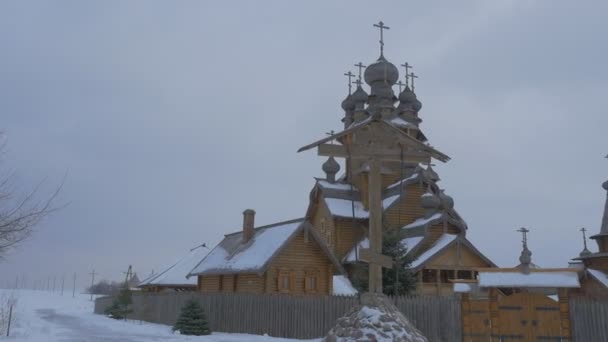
(350, 75)
(360, 66)
(584, 237)
(524, 232)
(400, 84)
(407, 67)
(413, 76)
(382, 27)
(330, 133)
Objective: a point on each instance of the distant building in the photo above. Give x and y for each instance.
(594, 280)
(173, 278)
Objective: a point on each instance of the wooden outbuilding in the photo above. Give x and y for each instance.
(287, 257)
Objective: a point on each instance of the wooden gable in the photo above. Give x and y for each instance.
(303, 256)
(457, 256)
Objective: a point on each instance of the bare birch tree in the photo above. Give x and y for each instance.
(20, 211)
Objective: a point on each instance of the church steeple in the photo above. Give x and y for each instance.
(525, 258)
(602, 237)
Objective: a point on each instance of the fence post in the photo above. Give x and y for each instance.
(10, 317)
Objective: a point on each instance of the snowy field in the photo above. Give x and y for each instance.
(47, 317)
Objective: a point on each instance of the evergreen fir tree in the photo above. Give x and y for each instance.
(398, 280)
(121, 306)
(192, 320)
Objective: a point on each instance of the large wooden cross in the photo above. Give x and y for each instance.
(374, 154)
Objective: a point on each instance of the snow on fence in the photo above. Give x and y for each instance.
(589, 319)
(292, 317)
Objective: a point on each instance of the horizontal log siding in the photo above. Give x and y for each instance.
(297, 258)
(408, 209)
(209, 283)
(249, 283)
(347, 235)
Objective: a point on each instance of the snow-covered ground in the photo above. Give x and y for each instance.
(47, 317)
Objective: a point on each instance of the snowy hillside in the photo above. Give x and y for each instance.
(49, 317)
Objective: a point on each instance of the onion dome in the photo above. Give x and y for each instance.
(381, 76)
(407, 95)
(348, 104)
(447, 202)
(408, 101)
(381, 71)
(605, 185)
(585, 252)
(359, 97)
(429, 200)
(331, 167)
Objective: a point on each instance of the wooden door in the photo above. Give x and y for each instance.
(529, 317)
(513, 318)
(546, 322)
(476, 319)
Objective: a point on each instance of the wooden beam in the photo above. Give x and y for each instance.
(366, 255)
(340, 151)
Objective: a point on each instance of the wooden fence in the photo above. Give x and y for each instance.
(589, 320)
(292, 317)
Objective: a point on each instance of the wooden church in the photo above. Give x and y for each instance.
(387, 184)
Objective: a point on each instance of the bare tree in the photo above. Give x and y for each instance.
(20, 212)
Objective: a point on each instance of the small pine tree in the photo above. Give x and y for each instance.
(121, 306)
(398, 280)
(192, 320)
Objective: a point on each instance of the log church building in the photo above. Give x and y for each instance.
(319, 252)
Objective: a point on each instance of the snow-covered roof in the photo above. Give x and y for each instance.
(336, 186)
(175, 275)
(599, 276)
(440, 244)
(536, 278)
(355, 251)
(409, 243)
(233, 256)
(399, 122)
(465, 287)
(342, 286)
(421, 222)
(344, 208)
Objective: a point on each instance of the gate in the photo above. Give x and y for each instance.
(529, 317)
(520, 317)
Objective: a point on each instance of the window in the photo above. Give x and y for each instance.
(284, 281)
(464, 274)
(310, 281)
(429, 276)
(446, 275)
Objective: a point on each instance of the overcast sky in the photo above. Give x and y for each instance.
(172, 117)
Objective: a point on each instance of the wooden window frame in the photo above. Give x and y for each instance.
(281, 276)
(311, 277)
(429, 276)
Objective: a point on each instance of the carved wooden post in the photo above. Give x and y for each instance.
(493, 301)
(564, 312)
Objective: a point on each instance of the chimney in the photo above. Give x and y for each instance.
(248, 222)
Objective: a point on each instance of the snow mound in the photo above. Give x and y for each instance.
(377, 319)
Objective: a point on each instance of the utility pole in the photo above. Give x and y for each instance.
(48, 283)
(54, 280)
(92, 282)
(62, 283)
(74, 288)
